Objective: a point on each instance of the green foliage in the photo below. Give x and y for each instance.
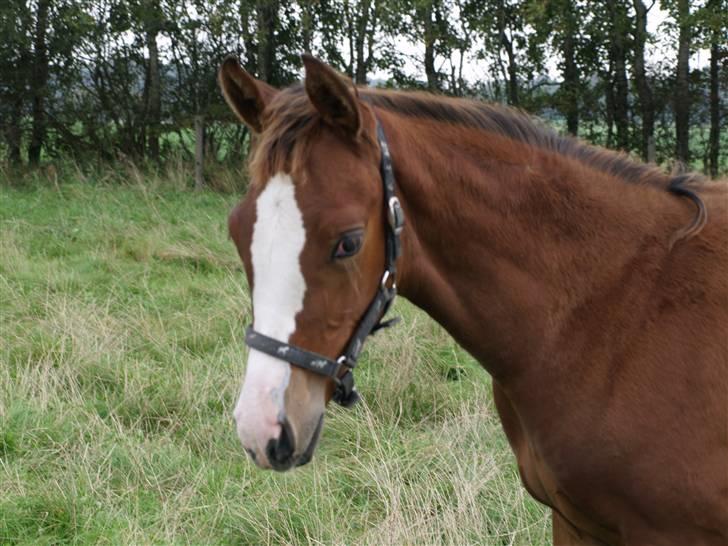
(108, 96)
(122, 317)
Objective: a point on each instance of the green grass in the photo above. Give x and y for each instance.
(121, 354)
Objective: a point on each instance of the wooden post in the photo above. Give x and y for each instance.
(199, 152)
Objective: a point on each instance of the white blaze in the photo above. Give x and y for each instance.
(279, 287)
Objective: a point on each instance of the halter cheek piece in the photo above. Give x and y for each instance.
(341, 370)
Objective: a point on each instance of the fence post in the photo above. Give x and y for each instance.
(199, 152)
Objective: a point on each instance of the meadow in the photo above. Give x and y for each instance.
(122, 309)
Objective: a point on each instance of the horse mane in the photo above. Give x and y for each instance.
(291, 120)
(512, 123)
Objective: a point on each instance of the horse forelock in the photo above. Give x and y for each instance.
(289, 122)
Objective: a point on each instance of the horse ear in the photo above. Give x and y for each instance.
(332, 95)
(245, 95)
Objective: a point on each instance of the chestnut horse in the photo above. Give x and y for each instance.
(593, 288)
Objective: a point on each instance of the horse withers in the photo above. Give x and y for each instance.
(593, 288)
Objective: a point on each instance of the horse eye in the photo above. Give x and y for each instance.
(348, 245)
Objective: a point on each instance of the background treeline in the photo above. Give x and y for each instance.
(104, 80)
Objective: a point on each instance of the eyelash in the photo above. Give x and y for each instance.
(340, 251)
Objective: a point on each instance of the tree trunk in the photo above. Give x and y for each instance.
(682, 91)
(618, 52)
(360, 75)
(507, 44)
(571, 72)
(245, 11)
(429, 38)
(267, 11)
(461, 63)
(349, 18)
(609, 103)
(154, 97)
(199, 152)
(512, 70)
(371, 33)
(714, 139)
(306, 25)
(14, 131)
(38, 83)
(644, 92)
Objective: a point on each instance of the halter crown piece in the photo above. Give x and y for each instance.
(341, 370)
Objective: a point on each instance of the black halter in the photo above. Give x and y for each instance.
(341, 370)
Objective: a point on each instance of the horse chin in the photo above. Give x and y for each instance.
(307, 455)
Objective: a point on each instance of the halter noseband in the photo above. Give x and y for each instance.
(341, 370)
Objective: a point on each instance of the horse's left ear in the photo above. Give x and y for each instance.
(332, 95)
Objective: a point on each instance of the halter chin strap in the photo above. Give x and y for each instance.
(341, 370)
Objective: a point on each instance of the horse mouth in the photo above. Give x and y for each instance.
(307, 455)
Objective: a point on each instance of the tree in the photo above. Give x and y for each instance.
(714, 19)
(557, 22)
(267, 15)
(618, 32)
(682, 89)
(362, 19)
(152, 22)
(39, 82)
(644, 91)
(113, 78)
(501, 27)
(460, 41)
(15, 60)
(425, 12)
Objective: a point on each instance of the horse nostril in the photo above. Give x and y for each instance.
(280, 451)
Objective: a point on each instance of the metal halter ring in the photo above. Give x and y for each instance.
(385, 278)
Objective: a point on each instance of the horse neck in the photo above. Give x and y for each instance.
(507, 245)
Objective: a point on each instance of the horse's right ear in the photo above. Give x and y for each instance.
(246, 96)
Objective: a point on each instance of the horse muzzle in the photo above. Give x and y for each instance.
(280, 452)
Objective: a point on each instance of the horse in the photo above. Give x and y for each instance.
(593, 289)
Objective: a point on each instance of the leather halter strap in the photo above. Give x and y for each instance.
(341, 370)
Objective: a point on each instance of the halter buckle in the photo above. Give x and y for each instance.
(395, 215)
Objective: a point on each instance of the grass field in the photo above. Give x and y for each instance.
(121, 354)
